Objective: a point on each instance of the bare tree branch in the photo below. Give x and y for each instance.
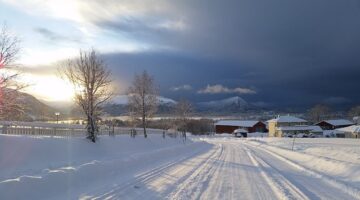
(183, 111)
(10, 106)
(91, 79)
(319, 112)
(143, 100)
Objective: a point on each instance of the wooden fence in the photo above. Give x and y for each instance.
(50, 129)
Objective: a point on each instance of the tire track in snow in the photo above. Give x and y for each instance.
(193, 185)
(144, 178)
(307, 153)
(349, 190)
(281, 186)
(224, 182)
(180, 173)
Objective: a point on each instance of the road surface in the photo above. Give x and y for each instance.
(232, 169)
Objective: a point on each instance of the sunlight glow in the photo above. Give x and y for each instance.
(40, 57)
(49, 88)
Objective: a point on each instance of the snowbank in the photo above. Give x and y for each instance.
(335, 159)
(44, 167)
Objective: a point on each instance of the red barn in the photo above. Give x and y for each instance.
(228, 126)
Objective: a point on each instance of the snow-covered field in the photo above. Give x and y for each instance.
(155, 168)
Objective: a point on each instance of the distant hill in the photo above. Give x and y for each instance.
(118, 105)
(34, 109)
(38, 110)
(223, 106)
(232, 105)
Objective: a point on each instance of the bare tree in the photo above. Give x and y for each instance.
(91, 80)
(143, 100)
(319, 112)
(10, 106)
(183, 111)
(354, 112)
(9, 47)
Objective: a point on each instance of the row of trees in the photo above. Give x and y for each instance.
(322, 112)
(91, 80)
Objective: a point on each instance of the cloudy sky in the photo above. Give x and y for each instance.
(276, 53)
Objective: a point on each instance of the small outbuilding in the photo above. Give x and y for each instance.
(349, 132)
(334, 124)
(240, 132)
(229, 126)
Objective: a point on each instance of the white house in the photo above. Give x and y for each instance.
(283, 121)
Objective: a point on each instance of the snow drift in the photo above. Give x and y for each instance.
(44, 167)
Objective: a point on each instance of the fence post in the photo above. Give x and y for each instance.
(4, 129)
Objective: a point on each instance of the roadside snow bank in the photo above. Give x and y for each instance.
(338, 159)
(46, 167)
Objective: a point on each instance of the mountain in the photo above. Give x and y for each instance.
(229, 105)
(232, 101)
(34, 109)
(232, 105)
(123, 100)
(118, 105)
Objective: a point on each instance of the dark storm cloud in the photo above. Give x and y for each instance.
(280, 89)
(294, 53)
(276, 32)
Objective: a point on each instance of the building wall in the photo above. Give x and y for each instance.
(258, 127)
(352, 135)
(282, 133)
(272, 129)
(225, 129)
(274, 125)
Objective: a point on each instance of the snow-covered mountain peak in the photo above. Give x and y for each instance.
(123, 100)
(225, 102)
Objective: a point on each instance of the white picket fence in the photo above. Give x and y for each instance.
(50, 129)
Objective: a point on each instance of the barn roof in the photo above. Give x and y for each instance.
(338, 122)
(240, 123)
(287, 118)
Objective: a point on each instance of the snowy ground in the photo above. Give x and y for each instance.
(157, 168)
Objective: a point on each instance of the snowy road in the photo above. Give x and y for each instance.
(156, 168)
(232, 169)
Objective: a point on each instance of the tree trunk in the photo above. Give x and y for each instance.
(144, 115)
(91, 129)
(144, 127)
